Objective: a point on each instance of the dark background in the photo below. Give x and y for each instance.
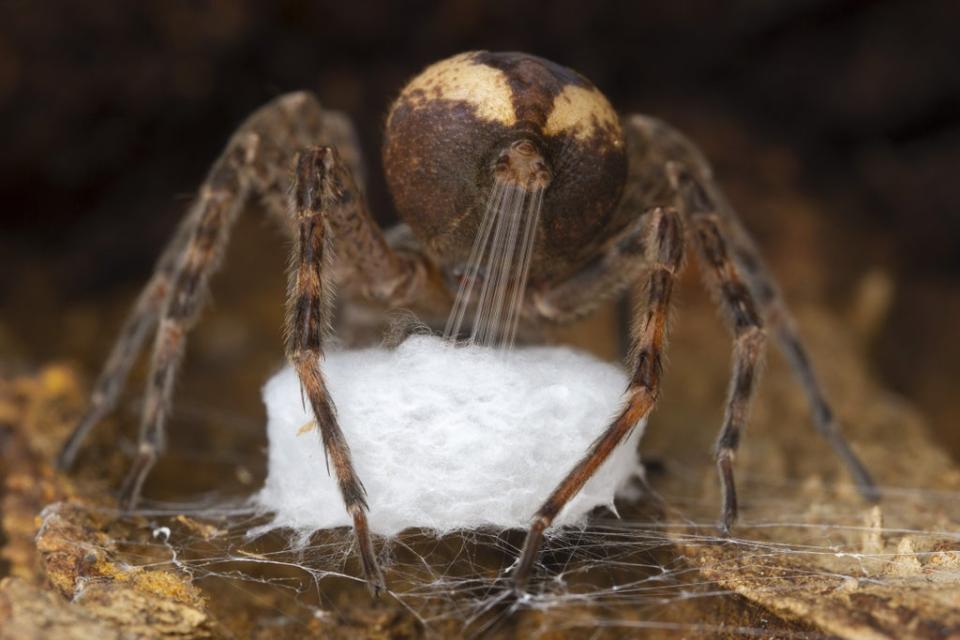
(112, 111)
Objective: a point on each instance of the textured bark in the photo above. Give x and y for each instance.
(66, 577)
(852, 570)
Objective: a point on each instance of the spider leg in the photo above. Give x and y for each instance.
(672, 164)
(246, 160)
(221, 198)
(138, 325)
(823, 417)
(722, 276)
(664, 258)
(781, 325)
(324, 198)
(777, 317)
(256, 162)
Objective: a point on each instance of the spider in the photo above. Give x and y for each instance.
(621, 198)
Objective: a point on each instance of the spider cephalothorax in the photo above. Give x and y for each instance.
(458, 119)
(492, 159)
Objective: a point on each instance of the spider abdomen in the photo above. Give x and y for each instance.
(450, 124)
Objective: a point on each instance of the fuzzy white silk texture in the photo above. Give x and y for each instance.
(447, 437)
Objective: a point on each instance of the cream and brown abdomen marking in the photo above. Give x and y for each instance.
(460, 79)
(583, 113)
(512, 88)
(449, 123)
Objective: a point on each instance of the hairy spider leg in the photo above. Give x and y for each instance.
(249, 158)
(317, 197)
(664, 258)
(721, 276)
(141, 320)
(776, 315)
(278, 129)
(661, 150)
(221, 198)
(781, 325)
(257, 163)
